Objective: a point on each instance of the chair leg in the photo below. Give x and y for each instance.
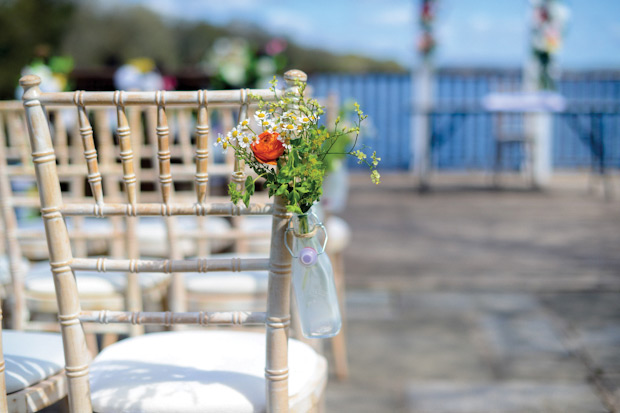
(108, 338)
(91, 343)
(339, 343)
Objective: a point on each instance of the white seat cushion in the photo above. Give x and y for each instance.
(339, 234)
(152, 235)
(195, 371)
(5, 272)
(39, 280)
(30, 358)
(247, 282)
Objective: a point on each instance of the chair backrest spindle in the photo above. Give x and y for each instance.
(163, 148)
(127, 158)
(202, 148)
(90, 153)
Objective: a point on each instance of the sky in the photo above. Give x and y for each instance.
(469, 32)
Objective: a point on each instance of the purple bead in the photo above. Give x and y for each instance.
(308, 256)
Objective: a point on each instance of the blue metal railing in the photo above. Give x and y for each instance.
(388, 100)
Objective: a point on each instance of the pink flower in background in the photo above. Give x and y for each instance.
(275, 46)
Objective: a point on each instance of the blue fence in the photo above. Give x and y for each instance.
(578, 142)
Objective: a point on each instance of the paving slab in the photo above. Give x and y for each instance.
(511, 397)
(467, 299)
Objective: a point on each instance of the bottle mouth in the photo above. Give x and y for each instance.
(305, 225)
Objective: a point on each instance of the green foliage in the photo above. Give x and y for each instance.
(29, 29)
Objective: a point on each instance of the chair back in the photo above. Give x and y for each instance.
(22, 240)
(54, 210)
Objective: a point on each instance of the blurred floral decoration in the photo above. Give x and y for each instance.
(54, 71)
(140, 73)
(426, 42)
(549, 18)
(234, 62)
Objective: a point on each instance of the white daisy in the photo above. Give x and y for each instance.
(291, 116)
(244, 124)
(260, 116)
(233, 135)
(267, 125)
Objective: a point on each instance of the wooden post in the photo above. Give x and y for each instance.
(421, 140)
(278, 313)
(547, 23)
(278, 304)
(44, 159)
(538, 128)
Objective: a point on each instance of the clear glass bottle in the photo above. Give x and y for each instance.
(313, 279)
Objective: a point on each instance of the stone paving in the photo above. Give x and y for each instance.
(467, 299)
(471, 300)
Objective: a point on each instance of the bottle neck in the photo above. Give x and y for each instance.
(304, 225)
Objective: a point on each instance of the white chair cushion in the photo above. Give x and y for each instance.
(152, 235)
(247, 282)
(339, 234)
(5, 271)
(195, 371)
(39, 280)
(30, 358)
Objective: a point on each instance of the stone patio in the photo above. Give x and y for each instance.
(468, 299)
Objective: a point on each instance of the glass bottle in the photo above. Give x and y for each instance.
(313, 279)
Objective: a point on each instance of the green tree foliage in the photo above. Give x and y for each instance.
(93, 32)
(28, 28)
(95, 35)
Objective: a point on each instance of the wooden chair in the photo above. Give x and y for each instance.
(32, 298)
(179, 371)
(32, 373)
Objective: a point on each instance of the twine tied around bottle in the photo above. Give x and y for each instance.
(305, 236)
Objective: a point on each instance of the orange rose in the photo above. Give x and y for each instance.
(268, 149)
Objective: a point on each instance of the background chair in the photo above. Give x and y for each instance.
(31, 370)
(172, 369)
(32, 300)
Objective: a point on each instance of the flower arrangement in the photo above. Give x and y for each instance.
(287, 146)
(549, 18)
(426, 42)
